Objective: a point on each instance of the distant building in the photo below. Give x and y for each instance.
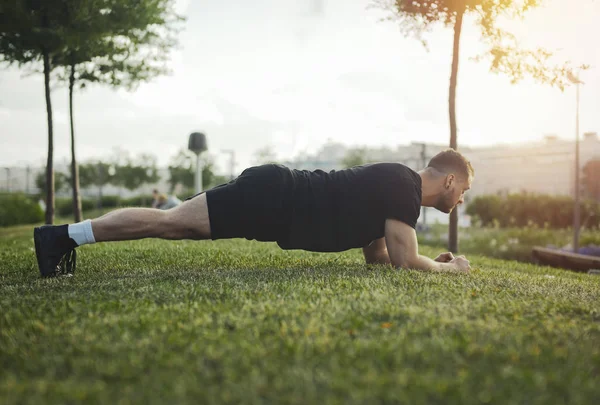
(545, 166)
(330, 156)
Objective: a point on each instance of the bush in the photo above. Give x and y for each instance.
(137, 201)
(526, 209)
(19, 209)
(507, 243)
(110, 201)
(64, 206)
(486, 209)
(588, 240)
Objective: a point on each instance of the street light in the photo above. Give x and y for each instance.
(576, 211)
(197, 144)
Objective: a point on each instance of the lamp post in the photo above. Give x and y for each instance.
(576, 209)
(197, 144)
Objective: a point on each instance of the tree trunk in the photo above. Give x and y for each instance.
(49, 162)
(453, 228)
(74, 167)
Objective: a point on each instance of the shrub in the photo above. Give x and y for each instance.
(137, 201)
(534, 210)
(64, 206)
(19, 209)
(110, 201)
(507, 243)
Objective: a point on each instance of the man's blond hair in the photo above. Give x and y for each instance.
(450, 161)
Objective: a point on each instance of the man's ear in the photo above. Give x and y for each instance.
(449, 181)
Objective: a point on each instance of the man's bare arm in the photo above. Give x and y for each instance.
(376, 252)
(403, 250)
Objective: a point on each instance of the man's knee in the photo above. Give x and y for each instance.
(185, 222)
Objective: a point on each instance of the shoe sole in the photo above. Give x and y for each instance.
(36, 241)
(37, 247)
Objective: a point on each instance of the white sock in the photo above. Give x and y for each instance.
(82, 233)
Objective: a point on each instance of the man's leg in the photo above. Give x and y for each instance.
(55, 245)
(186, 221)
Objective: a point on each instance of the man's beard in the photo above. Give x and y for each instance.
(445, 203)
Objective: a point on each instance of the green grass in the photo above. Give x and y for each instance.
(241, 322)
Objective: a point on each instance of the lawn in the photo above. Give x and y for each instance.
(241, 322)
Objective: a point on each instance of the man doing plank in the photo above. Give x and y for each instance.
(374, 207)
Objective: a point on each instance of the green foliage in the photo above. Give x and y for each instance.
(120, 43)
(418, 17)
(110, 201)
(508, 243)
(240, 322)
(17, 208)
(590, 239)
(137, 201)
(28, 29)
(209, 178)
(528, 209)
(62, 182)
(182, 170)
(117, 42)
(355, 157)
(64, 206)
(30, 33)
(134, 173)
(96, 174)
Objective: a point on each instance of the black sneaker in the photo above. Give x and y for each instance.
(55, 250)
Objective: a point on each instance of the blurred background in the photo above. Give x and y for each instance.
(324, 84)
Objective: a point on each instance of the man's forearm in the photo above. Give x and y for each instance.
(421, 263)
(425, 263)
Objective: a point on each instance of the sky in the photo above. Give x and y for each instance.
(295, 74)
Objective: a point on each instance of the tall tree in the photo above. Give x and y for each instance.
(181, 170)
(97, 174)
(133, 173)
(115, 42)
(29, 34)
(61, 182)
(417, 17)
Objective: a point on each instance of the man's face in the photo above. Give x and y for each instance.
(454, 193)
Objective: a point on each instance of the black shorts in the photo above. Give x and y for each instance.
(255, 205)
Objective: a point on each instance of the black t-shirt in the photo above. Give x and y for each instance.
(346, 209)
